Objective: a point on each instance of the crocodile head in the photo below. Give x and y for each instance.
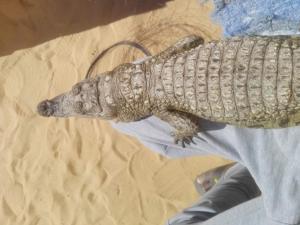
(84, 100)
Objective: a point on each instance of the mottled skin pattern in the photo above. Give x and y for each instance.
(249, 82)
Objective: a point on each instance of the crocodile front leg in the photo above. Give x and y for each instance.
(186, 125)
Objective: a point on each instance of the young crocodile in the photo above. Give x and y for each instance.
(243, 81)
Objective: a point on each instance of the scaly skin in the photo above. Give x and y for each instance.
(249, 82)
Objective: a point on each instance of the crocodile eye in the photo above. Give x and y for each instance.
(78, 107)
(76, 90)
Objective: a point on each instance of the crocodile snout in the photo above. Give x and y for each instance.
(46, 108)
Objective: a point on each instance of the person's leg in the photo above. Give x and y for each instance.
(235, 187)
(205, 181)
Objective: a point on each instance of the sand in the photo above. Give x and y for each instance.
(81, 171)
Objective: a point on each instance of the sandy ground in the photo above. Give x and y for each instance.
(81, 171)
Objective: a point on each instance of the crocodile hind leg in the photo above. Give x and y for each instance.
(186, 125)
(182, 45)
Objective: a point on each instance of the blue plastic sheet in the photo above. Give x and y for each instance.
(258, 17)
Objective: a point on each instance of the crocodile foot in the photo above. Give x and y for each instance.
(185, 138)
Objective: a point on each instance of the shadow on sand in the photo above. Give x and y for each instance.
(26, 23)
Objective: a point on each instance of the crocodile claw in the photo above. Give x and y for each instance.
(186, 140)
(200, 138)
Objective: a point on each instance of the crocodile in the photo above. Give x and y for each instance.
(251, 81)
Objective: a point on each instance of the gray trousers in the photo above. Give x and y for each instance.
(235, 187)
(272, 156)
